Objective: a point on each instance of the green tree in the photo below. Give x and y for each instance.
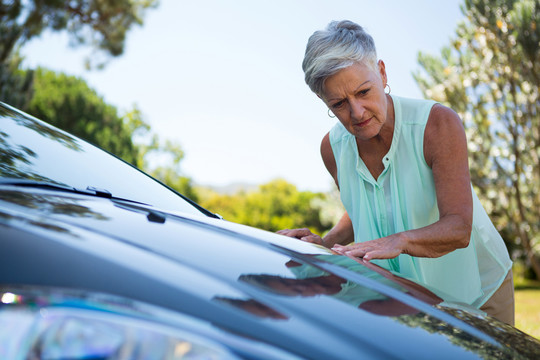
(68, 103)
(273, 206)
(100, 24)
(490, 76)
(15, 85)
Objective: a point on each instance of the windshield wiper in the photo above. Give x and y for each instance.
(90, 190)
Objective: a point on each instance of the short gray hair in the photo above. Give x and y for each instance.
(340, 45)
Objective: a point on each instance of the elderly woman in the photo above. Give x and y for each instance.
(402, 170)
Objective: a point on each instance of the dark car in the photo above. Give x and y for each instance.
(100, 261)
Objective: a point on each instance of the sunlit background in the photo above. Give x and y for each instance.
(224, 78)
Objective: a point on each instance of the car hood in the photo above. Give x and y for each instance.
(247, 281)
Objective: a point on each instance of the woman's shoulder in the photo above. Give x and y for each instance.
(444, 131)
(443, 118)
(411, 110)
(432, 110)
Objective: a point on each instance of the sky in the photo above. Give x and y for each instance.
(224, 78)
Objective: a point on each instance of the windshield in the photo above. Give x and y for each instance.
(33, 150)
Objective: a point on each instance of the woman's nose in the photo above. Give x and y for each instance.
(357, 110)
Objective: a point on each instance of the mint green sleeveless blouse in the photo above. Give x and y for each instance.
(404, 198)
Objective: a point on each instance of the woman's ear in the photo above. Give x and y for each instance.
(382, 71)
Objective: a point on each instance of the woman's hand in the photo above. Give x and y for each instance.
(384, 248)
(303, 234)
(342, 233)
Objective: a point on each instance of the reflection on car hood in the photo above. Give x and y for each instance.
(247, 281)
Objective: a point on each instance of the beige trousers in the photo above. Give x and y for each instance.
(501, 304)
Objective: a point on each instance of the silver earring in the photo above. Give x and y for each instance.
(331, 114)
(387, 86)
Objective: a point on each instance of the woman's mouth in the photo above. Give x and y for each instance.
(364, 123)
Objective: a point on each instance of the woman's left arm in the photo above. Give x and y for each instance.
(445, 151)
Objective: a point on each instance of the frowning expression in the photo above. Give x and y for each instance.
(356, 96)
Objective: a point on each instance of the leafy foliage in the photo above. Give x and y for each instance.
(68, 103)
(15, 85)
(273, 206)
(102, 24)
(490, 76)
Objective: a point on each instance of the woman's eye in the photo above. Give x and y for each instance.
(337, 105)
(364, 92)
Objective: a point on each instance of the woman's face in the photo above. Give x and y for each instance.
(356, 96)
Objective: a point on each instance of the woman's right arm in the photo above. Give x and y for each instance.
(342, 232)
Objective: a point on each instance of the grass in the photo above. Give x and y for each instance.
(527, 296)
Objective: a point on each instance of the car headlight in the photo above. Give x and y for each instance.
(32, 331)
